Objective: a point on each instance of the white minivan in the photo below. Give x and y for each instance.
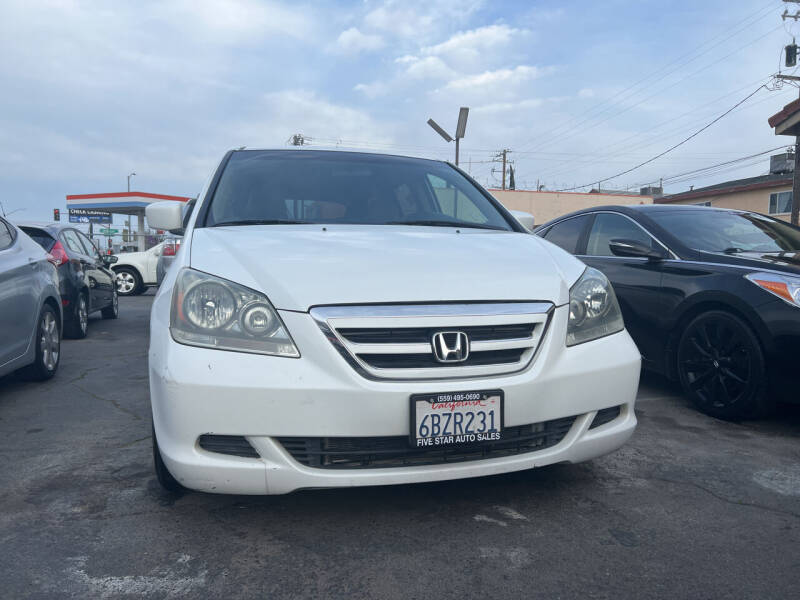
(341, 319)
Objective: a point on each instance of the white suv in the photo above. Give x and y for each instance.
(343, 319)
(136, 271)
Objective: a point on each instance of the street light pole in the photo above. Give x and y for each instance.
(133, 173)
(461, 128)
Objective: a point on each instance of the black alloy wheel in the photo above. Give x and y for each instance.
(721, 367)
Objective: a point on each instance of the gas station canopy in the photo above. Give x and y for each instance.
(122, 203)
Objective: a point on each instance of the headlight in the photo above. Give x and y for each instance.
(593, 309)
(785, 287)
(211, 312)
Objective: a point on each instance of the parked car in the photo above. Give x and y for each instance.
(86, 282)
(172, 243)
(136, 271)
(340, 319)
(711, 296)
(30, 307)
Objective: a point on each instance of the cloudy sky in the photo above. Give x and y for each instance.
(578, 91)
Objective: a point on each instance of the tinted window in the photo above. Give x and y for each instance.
(87, 244)
(41, 237)
(567, 233)
(330, 187)
(720, 231)
(607, 227)
(71, 241)
(6, 235)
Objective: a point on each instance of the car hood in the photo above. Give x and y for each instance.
(775, 261)
(301, 266)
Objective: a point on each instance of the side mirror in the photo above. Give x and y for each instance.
(525, 219)
(165, 215)
(635, 249)
(109, 259)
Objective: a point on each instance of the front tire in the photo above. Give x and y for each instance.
(721, 367)
(129, 282)
(48, 347)
(112, 310)
(78, 326)
(165, 478)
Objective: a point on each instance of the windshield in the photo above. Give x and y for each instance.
(275, 187)
(719, 231)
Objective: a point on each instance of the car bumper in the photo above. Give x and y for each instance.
(196, 391)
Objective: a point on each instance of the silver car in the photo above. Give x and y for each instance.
(30, 306)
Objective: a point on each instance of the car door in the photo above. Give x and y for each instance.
(637, 281)
(76, 251)
(18, 294)
(103, 276)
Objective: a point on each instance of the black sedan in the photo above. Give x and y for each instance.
(85, 280)
(710, 296)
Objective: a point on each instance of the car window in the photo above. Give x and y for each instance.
(6, 235)
(567, 233)
(452, 201)
(609, 226)
(331, 187)
(40, 236)
(728, 231)
(88, 246)
(70, 239)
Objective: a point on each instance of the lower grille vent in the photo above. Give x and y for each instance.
(604, 416)
(395, 451)
(235, 445)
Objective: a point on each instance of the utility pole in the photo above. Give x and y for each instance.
(502, 156)
(505, 156)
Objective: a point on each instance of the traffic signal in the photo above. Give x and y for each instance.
(791, 55)
(56, 214)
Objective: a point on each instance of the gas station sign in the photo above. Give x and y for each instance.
(89, 215)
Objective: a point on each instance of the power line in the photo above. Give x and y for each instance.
(629, 143)
(670, 149)
(678, 177)
(655, 94)
(748, 22)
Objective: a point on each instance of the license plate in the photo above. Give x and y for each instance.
(455, 418)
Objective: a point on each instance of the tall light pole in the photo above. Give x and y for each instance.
(133, 173)
(461, 128)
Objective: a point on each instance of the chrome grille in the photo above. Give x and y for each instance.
(394, 341)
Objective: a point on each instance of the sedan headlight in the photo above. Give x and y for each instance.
(593, 309)
(211, 312)
(785, 287)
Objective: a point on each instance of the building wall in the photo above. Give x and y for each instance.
(545, 206)
(753, 200)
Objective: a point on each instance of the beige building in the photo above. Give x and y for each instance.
(767, 194)
(545, 206)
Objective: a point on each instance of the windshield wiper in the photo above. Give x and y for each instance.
(261, 222)
(443, 223)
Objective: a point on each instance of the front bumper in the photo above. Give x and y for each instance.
(196, 391)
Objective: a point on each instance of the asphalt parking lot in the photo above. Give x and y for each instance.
(691, 507)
